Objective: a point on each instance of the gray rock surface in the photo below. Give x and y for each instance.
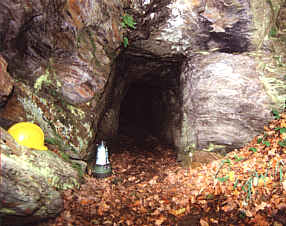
(184, 27)
(224, 101)
(31, 182)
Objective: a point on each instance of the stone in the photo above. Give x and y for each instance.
(6, 82)
(31, 181)
(173, 28)
(224, 101)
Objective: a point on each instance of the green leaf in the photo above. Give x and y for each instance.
(276, 114)
(273, 32)
(282, 130)
(125, 41)
(223, 179)
(259, 140)
(235, 184)
(123, 25)
(253, 149)
(266, 143)
(237, 159)
(282, 143)
(128, 21)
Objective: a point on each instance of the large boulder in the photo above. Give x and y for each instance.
(31, 182)
(225, 101)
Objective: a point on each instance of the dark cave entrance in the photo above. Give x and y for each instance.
(137, 117)
(149, 97)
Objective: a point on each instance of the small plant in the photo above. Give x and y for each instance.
(125, 41)
(281, 130)
(266, 143)
(259, 140)
(127, 22)
(223, 179)
(282, 143)
(237, 159)
(275, 114)
(253, 149)
(273, 32)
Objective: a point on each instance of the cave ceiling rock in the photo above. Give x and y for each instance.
(25, 200)
(183, 27)
(225, 101)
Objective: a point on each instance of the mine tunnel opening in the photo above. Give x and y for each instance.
(140, 111)
(150, 100)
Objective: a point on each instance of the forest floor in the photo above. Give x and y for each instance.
(149, 187)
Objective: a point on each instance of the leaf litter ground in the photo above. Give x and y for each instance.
(149, 187)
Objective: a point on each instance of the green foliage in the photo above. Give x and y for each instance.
(282, 143)
(226, 161)
(259, 140)
(223, 179)
(253, 149)
(237, 159)
(273, 32)
(127, 22)
(275, 114)
(281, 130)
(266, 143)
(125, 42)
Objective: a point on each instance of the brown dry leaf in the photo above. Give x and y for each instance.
(260, 220)
(230, 205)
(284, 185)
(261, 206)
(177, 212)
(160, 220)
(203, 222)
(136, 203)
(283, 123)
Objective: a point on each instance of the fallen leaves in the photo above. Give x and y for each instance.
(148, 187)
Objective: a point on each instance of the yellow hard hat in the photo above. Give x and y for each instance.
(28, 134)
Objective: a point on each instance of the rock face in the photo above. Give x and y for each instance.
(61, 53)
(224, 101)
(31, 181)
(6, 83)
(184, 27)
